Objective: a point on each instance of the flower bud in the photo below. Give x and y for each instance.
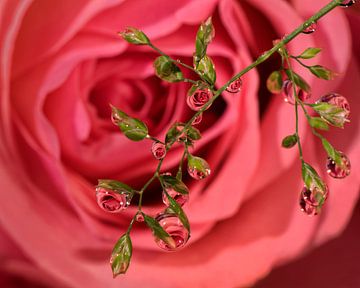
(134, 36)
(333, 108)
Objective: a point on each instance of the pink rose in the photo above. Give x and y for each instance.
(62, 64)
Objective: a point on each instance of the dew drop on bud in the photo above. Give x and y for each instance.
(235, 86)
(111, 201)
(158, 150)
(314, 196)
(197, 174)
(287, 92)
(310, 29)
(347, 3)
(197, 119)
(307, 208)
(182, 136)
(337, 100)
(337, 171)
(173, 226)
(198, 168)
(199, 98)
(115, 118)
(139, 217)
(181, 199)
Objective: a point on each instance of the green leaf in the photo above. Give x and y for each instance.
(193, 133)
(332, 152)
(309, 53)
(322, 72)
(207, 69)
(176, 208)
(204, 36)
(274, 82)
(133, 128)
(121, 255)
(332, 114)
(174, 131)
(318, 123)
(189, 135)
(299, 81)
(289, 141)
(134, 36)
(199, 85)
(158, 231)
(311, 177)
(166, 70)
(114, 185)
(174, 183)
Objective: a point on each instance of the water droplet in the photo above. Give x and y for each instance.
(197, 119)
(199, 170)
(115, 118)
(139, 217)
(158, 150)
(181, 199)
(182, 137)
(199, 98)
(288, 93)
(307, 208)
(173, 226)
(112, 201)
(310, 29)
(337, 100)
(315, 196)
(337, 171)
(235, 86)
(347, 3)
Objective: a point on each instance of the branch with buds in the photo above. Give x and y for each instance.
(171, 227)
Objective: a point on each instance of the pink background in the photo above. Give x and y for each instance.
(62, 63)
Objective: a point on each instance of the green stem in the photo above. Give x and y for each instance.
(190, 81)
(301, 63)
(155, 175)
(131, 224)
(179, 173)
(297, 102)
(173, 60)
(154, 139)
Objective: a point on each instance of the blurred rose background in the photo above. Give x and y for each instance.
(62, 63)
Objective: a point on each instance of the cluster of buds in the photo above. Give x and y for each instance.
(333, 110)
